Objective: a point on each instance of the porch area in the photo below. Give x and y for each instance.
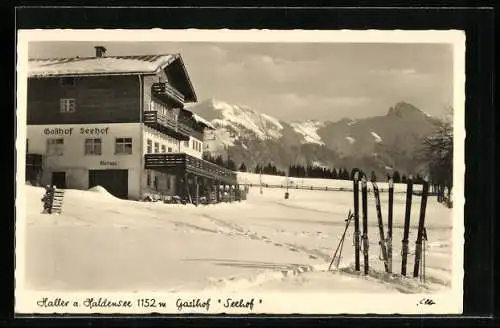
(197, 181)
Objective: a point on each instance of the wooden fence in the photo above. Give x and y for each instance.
(325, 188)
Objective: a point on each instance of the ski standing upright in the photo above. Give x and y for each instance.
(356, 221)
(406, 231)
(421, 227)
(364, 238)
(380, 226)
(389, 224)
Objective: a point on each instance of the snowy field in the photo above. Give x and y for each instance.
(265, 243)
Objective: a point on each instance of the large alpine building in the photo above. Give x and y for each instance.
(119, 122)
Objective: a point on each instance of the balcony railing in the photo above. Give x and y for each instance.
(34, 160)
(190, 164)
(190, 131)
(170, 126)
(165, 89)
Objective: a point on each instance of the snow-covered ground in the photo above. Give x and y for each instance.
(265, 243)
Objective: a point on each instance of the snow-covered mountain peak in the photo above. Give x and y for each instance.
(309, 130)
(403, 109)
(377, 138)
(239, 120)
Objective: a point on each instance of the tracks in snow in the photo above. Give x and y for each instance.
(401, 284)
(235, 229)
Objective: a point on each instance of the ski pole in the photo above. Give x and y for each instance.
(340, 254)
(341, 240)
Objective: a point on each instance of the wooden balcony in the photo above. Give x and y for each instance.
(34, 160)
(179, 163)
(164, 90)
(170, 126)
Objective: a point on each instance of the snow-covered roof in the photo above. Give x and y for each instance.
(142, 64)
(200, 119)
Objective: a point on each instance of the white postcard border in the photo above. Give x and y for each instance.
(272, 303)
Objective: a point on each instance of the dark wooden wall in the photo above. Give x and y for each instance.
(99, 99)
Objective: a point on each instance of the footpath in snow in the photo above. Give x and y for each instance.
(267, 243)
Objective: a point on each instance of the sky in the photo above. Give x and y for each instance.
(301, 81)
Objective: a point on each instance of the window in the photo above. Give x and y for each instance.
(157, 147)
(168, 182)
(155, 182)
(67, 105)
(27, 146)
(93, 146)
(148, 178)
(149, 148)
(196, 145)
(163, 148)
(169, 149)
(55, 147)
(186, 143)
(68, 81)
(123, 146)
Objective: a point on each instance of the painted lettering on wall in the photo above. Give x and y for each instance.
(111, 163)
(58, 131)
(94, 131)
(69, 131)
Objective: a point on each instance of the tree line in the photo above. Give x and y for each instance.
(219, 160)
(308, 171)
(268, 169)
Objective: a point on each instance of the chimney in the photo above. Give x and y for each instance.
(100, 51)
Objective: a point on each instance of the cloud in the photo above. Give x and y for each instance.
(295, 83)
(217, 52)
(347, 101)
(265, 68)
(290, 106)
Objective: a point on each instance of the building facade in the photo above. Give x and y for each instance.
(119, 122)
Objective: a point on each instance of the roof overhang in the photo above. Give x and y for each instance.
(177, 67)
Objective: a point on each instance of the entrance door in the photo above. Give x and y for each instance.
(59, 179)
(114, 181)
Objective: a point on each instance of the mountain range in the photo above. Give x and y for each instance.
(378, 143)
